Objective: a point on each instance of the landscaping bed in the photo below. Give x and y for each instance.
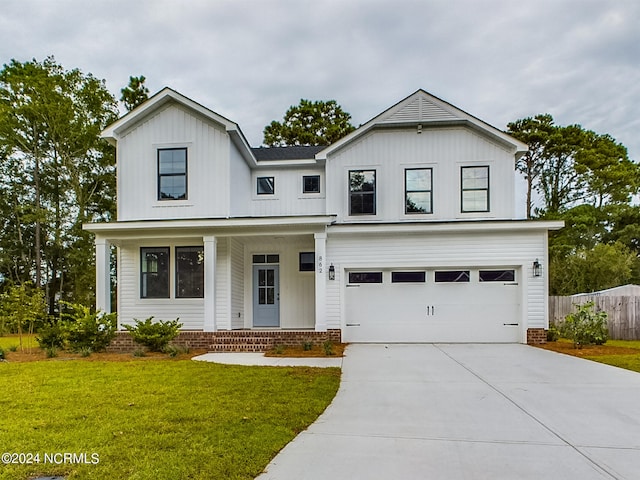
(619, 353)
(301, 351)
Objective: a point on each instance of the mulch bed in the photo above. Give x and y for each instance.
(35, 354)
(300, 352)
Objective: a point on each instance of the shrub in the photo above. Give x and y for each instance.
(307, 346)
(553, 334)
(89, 330)
(51, 352)
(154, 335)
(328, 348)
(172, 351)
(139, 352)
(13, 348)
(51, 335)
(3, 356)
(585, 326)
(278, 349)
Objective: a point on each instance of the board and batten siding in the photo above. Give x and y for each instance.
(440, 251)
(288, 198)
(445, 150)
(208, 151)
(236, 252)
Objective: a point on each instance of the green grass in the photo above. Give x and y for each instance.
(624, 343)
(156, 419)
(28, 341)
(630, 362)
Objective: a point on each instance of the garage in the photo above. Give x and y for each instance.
(437, 305)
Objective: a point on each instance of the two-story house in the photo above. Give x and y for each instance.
(403, 231)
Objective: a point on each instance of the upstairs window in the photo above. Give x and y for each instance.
(362, 192)
(172, 174)
(311, 184)
(418, 184)
(154, 272)
(475, 189)
(266, 185)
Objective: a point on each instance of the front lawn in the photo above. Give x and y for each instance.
(619, 353)
(153, 419)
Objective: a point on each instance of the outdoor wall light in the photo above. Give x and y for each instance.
(537, 268)
(332, 272)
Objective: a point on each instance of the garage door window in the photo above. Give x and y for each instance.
(497, 275)
(407, 277)
(452, 276)
(365, 277)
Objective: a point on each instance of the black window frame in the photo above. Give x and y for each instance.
(273, 185)
(464, 189)
(304, 184)
(452, 276)
(173, 174)
(304, 265)
(408, 277)
(407, 192)
(146, 275)
(497, 275)
(362, 194)
(199, 288)
(365, 277)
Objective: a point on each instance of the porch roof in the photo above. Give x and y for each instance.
(222, 227)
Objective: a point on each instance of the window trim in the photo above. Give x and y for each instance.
(161, 175)
(374, 193)
(307, 192)
(407, 191)
(143, 274)
(487, 189)
(177, 270)
(273, 183)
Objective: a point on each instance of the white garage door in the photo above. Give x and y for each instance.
(444, 305)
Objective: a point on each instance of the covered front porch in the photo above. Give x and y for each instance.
(223, 275)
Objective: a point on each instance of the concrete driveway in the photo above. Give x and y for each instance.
(470, 412)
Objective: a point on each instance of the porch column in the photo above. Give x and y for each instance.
(321, 281)
(210, 252)
(103, 274)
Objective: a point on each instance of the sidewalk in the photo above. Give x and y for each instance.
(259, 359)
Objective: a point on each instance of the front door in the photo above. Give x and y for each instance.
(266, 296)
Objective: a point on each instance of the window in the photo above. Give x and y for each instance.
(362, 192)
(189, 272)
(311, 184)
(452, 276)
(266, 185)
(497, 275)
(475, 189)
(365, 277)
(408, 277)
(307, 261)
(418, 190)
(172, 174)
(154, 272)
(266, 258)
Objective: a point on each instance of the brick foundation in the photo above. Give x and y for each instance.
(234, 340)
(536, 336)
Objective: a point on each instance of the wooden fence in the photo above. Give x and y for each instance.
(623, 313)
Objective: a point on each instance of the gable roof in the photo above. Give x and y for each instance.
(422, 108)
(165, 97)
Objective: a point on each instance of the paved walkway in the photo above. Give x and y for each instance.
(470, 412)
(260, 359)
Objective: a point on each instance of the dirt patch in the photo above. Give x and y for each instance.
(300, 352)
(588, 350)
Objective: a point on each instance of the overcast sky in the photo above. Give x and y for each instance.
(499, 60)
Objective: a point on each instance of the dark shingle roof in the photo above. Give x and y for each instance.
(296, 152)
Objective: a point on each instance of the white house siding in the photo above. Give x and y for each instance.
(297, 289)
(207, 167)
(131, 306)
(440, 251)
(240, 181)
(222, 287)
(288, 198)
(236, 251)
(444, 150)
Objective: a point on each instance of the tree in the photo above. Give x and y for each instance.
(135, 93)
(535, 132)
(57, 174)
(309, 123)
